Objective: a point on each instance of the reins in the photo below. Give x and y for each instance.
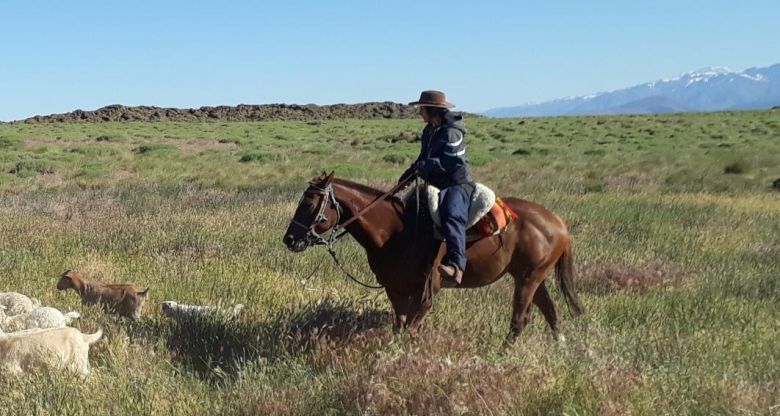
(339, 230)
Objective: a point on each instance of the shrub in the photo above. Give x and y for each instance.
(27, 168)
(226, 141)
(735, 168)
(94, 150)
(261, 156)
(395, 158)
(109, 138)
(479, 158)
(8, 143)
(94, 170)
(595, 152)
(155, 148)
(594, 188)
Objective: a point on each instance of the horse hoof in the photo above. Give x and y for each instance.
(507, 345)
(560, 339)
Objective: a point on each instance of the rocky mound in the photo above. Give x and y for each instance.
(243, 112)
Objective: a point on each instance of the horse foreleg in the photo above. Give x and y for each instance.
(421, 302)
(401, 305)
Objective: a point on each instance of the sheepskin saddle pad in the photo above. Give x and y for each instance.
(488, 215)
(482, 200)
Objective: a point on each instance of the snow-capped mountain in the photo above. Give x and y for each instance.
(708, 89)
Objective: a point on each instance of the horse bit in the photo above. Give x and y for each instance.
(315, 238)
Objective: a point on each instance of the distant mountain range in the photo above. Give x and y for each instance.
(708, 89)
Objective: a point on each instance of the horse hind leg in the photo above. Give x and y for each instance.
(550, 311)
(525, 293)
(521, 301)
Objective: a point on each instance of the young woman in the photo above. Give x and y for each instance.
(443, 163)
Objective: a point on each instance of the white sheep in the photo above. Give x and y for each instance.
(180, 311)
(56, 348)
(43, 317)
(17, 303)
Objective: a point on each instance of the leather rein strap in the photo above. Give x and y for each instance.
(392, 191)
(339, 230)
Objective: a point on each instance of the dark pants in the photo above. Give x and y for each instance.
(454, 204)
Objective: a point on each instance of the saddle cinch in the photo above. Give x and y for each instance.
(488, 214)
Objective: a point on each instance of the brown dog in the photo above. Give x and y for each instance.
(123, 298)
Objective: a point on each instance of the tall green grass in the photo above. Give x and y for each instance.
(678, 262)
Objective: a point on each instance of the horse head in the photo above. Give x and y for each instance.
(318, 212)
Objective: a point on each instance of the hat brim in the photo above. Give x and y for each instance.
(446, 104)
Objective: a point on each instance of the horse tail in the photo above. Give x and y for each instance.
(564, 271)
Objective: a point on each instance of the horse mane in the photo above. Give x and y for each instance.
(376, 193)
(359, 187)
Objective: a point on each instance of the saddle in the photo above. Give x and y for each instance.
(488, 215)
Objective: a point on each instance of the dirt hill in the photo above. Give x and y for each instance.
(243, 112)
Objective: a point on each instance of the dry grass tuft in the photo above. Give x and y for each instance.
(418, 382)
(600, 277)
(768, 249)
(614, 385)
(631, 182)
(332, 323)
(437, 374)
(752, 398)
(199, 145)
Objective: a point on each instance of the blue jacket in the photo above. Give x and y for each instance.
(442, 160)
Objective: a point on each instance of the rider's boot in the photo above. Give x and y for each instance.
(451, 275)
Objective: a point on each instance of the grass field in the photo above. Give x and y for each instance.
(676, 229)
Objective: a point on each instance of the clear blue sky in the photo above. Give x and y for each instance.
(57, 56)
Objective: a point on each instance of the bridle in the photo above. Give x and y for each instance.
(328, 198)
(338, 230)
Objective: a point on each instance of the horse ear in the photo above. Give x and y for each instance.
(330, 177)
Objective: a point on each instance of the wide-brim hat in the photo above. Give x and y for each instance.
(432, 99)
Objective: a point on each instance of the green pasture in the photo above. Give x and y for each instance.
(676, 226)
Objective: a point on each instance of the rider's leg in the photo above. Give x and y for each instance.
(453, 212)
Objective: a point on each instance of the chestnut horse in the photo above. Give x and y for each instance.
(400, 256)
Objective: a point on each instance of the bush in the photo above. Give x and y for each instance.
(109, 138)
(27, 168)
(735, 168)
(261, 156)
(595, 152)
(8, 143)
(93, 170)
(395, 158)
(94, 150)
(155, 148)
(594, 188)
(226, 141)
(479, 158)
(404, 136)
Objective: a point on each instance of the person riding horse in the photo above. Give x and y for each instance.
(443, 163)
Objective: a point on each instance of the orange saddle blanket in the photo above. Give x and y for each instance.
(494, 222)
